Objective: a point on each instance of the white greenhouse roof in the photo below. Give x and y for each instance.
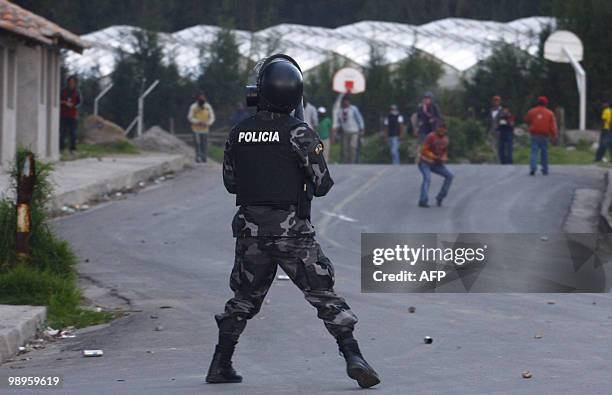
(459, 43)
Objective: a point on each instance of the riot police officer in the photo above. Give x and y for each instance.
(274, 165)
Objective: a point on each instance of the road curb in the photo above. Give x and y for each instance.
(120, 182)
(605, 224)
(585, 212)
(18, 324)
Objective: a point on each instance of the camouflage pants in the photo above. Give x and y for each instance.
(302, 259)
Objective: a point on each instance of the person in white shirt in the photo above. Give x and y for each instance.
(310, 114)
(349, 123)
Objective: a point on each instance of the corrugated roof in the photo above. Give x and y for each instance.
(34, 27)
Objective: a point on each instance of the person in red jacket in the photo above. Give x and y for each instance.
(70, 100)
(433, 156)
(542, 127)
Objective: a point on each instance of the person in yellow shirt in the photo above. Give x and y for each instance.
(605, 138)
(201, 116)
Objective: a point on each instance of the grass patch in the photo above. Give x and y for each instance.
(215, 153)
(27, 284)
(99, 150)
(47, 277)
(557, 156)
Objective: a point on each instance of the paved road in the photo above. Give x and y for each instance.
(171, 246)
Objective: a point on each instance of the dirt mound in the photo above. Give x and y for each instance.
(99, 131)
(158, 140)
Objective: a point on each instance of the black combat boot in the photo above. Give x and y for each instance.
(221, 370)
(356, 367)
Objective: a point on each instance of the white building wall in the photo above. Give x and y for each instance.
(53, 104)
(31, 105)
(8, 102)
(29, 100)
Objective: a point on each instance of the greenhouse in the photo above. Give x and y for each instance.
(458, 44)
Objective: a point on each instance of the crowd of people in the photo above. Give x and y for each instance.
(347, 126)
(429, 130)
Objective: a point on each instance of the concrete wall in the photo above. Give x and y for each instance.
(31, 103)
(8, 101)
(53, 106)
(38, 103)
(29, 99)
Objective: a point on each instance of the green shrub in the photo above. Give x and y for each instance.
(375, 150)
(24, 284)
(47, 252)
(7, 231)
(468, 140)
(47, 276)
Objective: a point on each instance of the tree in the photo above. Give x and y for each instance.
(414, 76)
(134, 72)
(318, 83)
(171, 15)
(222, 80)
(378, 95)
(509, 73)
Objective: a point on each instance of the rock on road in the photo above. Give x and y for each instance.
(171, 245)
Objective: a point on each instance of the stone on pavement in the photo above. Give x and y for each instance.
(18, 324)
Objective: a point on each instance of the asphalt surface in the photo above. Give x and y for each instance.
(171, 246)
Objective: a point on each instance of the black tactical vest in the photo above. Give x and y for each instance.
(266, 168)
(393, 124)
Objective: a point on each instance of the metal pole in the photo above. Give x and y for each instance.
(582, 87)
(127, 130)
(141, 106)
(97, 99)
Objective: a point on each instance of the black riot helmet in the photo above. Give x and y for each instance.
(279, 85)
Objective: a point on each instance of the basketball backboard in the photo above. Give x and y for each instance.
(565, 47)
(349, 80)
(558, 43)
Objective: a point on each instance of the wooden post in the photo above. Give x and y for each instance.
(26, 180)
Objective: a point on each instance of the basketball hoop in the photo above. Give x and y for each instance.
(349, 80)
(565, 47)
(349, 85)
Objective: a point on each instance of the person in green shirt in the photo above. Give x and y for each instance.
(323, 129)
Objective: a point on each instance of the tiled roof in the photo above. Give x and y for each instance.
(27, 24)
